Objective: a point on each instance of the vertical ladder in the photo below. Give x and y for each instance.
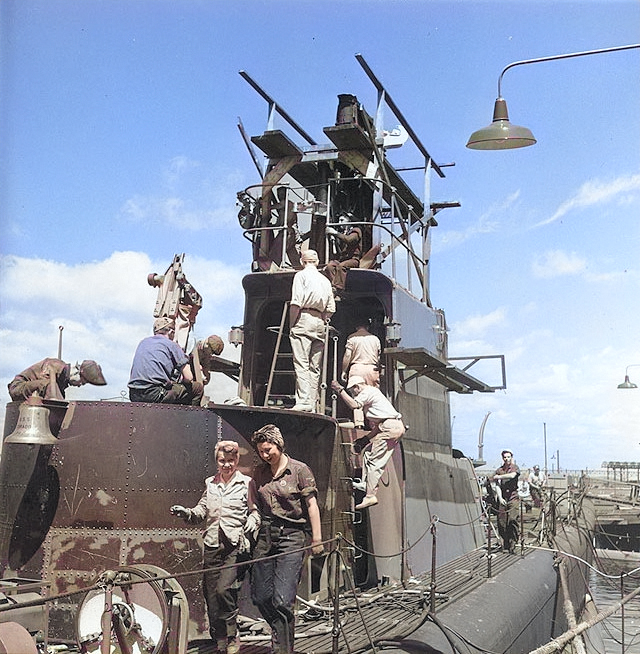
(277, 354)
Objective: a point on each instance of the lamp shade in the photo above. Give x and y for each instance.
(627, 384)
(501, 134)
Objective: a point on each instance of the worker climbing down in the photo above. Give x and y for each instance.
(386, 430)
(50, 378)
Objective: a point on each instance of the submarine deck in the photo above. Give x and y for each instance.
(388, 613)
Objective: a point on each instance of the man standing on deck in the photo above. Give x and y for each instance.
(509, 513)
(50, 378)
(160, 371)
(310, 311)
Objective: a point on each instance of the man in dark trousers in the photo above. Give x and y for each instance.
(50, 378)
(161, 372)
(509, 513)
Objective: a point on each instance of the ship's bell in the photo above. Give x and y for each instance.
(33, 424)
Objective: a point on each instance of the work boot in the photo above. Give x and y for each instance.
(233, 645)
(222, 646)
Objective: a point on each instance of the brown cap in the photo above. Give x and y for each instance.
(162, 323)
(91, 373)
(213, 344)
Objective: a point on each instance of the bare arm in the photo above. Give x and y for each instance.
(316, 529)
(187, 375)
(346, 360)
(343, 395)
(506, 475)
(253, 519)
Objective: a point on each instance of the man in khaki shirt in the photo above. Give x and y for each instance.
(310, 311)
(362, 355)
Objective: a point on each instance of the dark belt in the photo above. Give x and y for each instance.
(278, 523)
(313, 312)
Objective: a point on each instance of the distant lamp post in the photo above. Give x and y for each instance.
(503, 135)
(627, 383)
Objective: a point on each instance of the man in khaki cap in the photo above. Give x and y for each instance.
(380, 443)
(50, 378)
(160, 371)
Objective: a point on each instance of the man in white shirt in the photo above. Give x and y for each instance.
(312, 305)
(362, 355)
(386, 430)
(536, 482)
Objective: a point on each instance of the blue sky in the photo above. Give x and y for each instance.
(119, 148)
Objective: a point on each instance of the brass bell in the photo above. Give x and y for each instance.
(33, 424)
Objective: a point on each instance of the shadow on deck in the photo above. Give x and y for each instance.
(388, 613)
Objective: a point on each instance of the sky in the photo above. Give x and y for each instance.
(119, 148)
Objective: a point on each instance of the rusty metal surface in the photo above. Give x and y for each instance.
(14, 638)
(120, 466)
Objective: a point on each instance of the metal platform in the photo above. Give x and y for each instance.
(388, 613)
(422, 362)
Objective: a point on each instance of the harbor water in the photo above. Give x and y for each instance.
(621, 631)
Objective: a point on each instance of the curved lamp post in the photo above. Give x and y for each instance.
(626, 383)
(503, 135)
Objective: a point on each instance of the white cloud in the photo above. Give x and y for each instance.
(596, 192)
(106, 308)
(478, 325)
(209, 204)
(556, 263)
(487, 223)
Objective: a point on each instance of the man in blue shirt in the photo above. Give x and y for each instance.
(160, 371)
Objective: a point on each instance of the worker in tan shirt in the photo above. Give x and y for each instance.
(362, 355)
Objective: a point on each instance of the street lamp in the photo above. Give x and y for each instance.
(503, 135)
(626, 383)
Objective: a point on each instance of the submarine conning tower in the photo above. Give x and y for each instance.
(308, 190)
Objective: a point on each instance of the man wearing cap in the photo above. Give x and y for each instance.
(536, 482)
(509, 513)
(203, 356)
(50, 378)
(160, 371)
(386, 430)
(310, 310)
(348, 239)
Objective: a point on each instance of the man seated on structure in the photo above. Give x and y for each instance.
(160, 371)
(386, 430)
(362, 354)
(50, 378)
(347, 240)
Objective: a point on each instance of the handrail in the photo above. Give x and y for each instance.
(398, 114)
(273, 105)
